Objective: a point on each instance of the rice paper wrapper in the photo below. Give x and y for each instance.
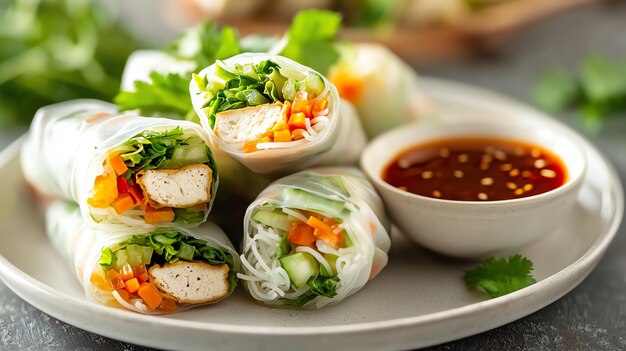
(389, 88)
(365, 222)
(81, 246)
(68, 143)
(339, 143)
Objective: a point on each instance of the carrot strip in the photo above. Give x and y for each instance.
(118, 164)
(150, 295)
(301, 234)
(155, 215)
(123, 203)
(132, 285)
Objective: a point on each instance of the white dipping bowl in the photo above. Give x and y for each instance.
(475, 229)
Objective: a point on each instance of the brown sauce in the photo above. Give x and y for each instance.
(476, 169)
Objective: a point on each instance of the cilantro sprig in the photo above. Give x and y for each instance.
(597, 89)
(501, 276)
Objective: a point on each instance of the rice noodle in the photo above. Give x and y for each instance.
(294, 214)
(323, 112)
(280, 145)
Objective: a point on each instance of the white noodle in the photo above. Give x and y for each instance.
(309, 128)
(323, 112)
(280, 145)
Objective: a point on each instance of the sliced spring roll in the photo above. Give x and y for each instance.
(313, 238)
(147, 271)
(275, 115)
(121, 169)
(381, 86)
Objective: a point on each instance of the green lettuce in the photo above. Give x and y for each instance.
(320, 286)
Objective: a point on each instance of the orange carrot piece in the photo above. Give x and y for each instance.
(168, 305)
(348, 86)
(127, 272)
(123, 203)
(150, 295)
(141, 273)
(123, 294)
(297, 121)
(297, 134)
(136, 194)
(323, 232)
(319, 105)
(97, 280)
(132, 285)
(250, 146)
(115, 279)
(282, 136)
(282, 125)
(301, 104)
(301, 234)
(156, 215)
(118, 164)
(286, 111)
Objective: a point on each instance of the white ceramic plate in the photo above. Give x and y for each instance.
(419, 300)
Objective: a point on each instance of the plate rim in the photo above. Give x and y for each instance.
(11, 274)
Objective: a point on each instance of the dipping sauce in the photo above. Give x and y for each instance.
(476, 169)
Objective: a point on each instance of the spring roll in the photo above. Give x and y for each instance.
(274, 115)
(313, 238)
(153, 271)
(380, 85)
(121, 169)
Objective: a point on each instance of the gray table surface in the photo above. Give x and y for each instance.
(591, 317)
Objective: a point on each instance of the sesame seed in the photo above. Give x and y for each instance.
(427, 175)
(484, 166)
(486, 181)
(511, 185)
(528, 187)
(526, 174)
(437, 193)
(444, 152)
(506, 167)
(404, 164)
(548, 173)
(486, 158)
(500, 155)
(482, 196)
(534, 152)
(514, 172)
(540, 163)
(519, 192)
(463, 158)
(458, 174)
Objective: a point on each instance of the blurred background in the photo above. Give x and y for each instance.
(56, 50)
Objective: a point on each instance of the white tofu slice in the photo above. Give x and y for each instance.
(178, 188)
(247, 124)
(191, 282)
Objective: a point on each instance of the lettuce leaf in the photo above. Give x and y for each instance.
(320, 286)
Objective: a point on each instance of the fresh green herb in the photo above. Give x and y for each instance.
(247, 85)
(312, 39)
(320, 286)
(500, 276)
(166, 95)
(167, 246)
(205, 43)
(369, 13)
(598, 89)
(57, 50)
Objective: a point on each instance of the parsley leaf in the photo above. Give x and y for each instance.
(555, 90)
(500, 276)
(166, 95)
(312, 38)
(205, 43)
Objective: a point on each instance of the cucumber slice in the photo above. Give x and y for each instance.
(332, 261)
(300, 267)
(185, 155)
(289, 90)
(275, 219)
(146, 254)
(315, 203)
(284, 247)
(135, 255)
(121, 258)
(314, 83)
